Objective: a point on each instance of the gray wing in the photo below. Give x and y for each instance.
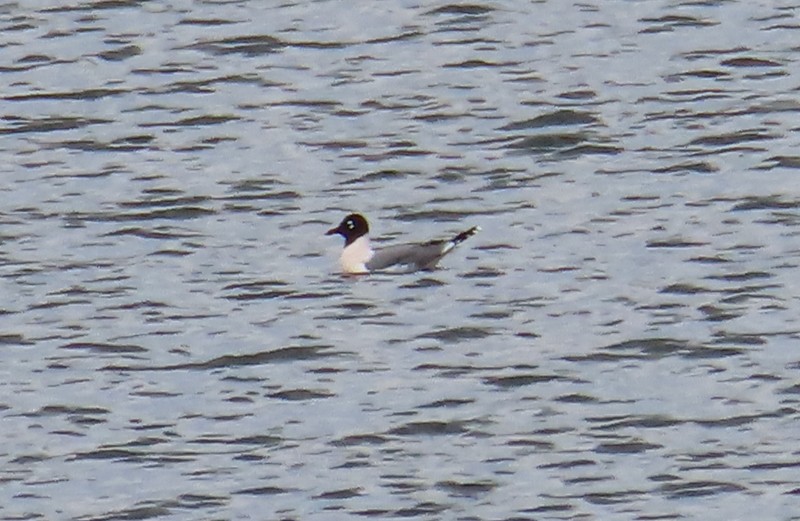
(417, 256)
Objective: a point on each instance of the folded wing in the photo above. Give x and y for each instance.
(423, 256)
(415, 256)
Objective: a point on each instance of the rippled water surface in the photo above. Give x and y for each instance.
(621, 340)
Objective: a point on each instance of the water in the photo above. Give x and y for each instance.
(619, 342)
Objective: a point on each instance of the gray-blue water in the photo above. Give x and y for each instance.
(620, 342)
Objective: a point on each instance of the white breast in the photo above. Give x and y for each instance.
(355, 256)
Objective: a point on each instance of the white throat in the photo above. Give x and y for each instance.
(355, 256)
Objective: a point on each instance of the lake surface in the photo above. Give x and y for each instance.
(621, 341)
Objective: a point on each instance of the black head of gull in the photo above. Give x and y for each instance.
(351, 228)
(359, 257)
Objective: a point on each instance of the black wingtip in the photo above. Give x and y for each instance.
(463, 236)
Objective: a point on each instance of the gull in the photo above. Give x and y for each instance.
(358, 257)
